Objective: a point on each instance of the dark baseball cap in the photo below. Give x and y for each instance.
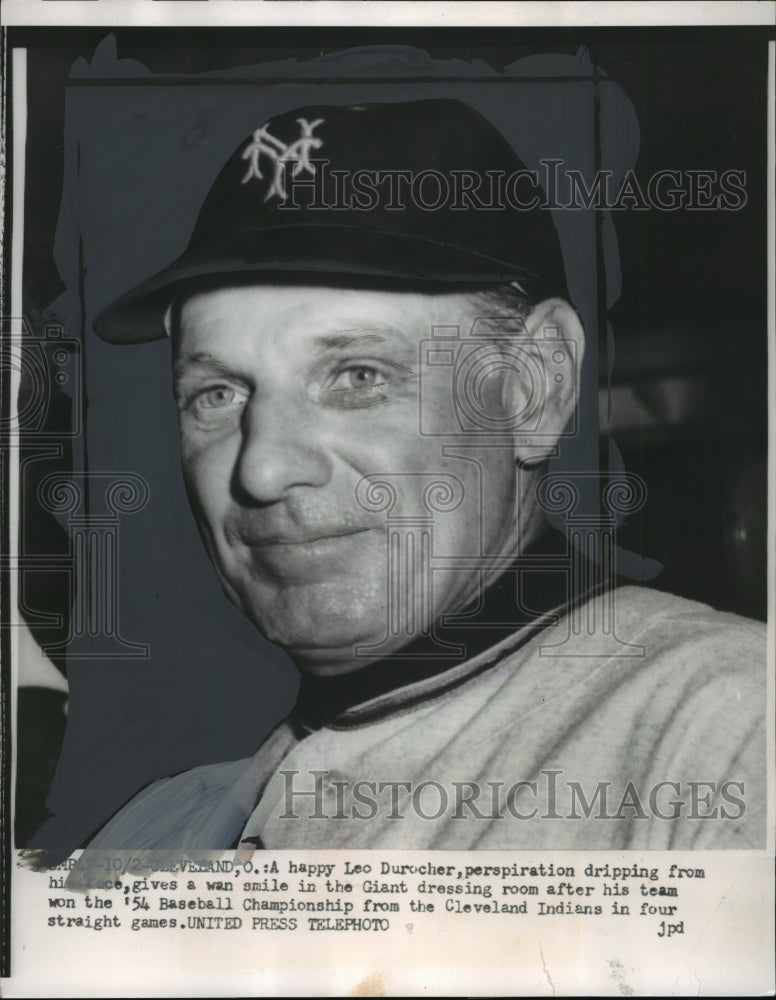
(418, 192)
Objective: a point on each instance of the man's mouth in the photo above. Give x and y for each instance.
(306, 539)
(310, 555)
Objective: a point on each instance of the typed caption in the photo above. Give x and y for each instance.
(394, 922)
(288, 894)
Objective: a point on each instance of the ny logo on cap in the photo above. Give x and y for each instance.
(279, 153)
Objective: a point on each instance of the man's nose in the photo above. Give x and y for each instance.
(281, 449)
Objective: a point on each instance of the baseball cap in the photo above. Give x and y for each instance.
(424, 192)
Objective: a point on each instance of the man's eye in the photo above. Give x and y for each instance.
(355, 387)
(217, 398)
(217, 403)
(361, 378)
(356, 377)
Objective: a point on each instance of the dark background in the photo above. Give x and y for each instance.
(688, 393)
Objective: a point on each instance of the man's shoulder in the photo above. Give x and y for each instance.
(648, 625)
(639, 647)
(634, 662)
(635, 686)
(652, 605)
(204, 807)
(196, 807)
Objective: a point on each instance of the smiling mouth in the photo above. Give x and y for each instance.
(290, 541)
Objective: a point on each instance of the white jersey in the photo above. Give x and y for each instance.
(530, 745)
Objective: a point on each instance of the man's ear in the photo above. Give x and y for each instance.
(546, 397)
(168, 321)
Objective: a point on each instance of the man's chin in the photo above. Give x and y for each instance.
(321, 642)
(332, 656)
(331, 661)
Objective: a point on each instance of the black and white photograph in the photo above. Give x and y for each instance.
(386, 469)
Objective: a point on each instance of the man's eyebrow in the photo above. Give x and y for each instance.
(347, 338)
(205, 360)
(392, 338)
(335, 340)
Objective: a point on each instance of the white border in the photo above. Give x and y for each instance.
(529, 13)
(771, 505)
(239, 12)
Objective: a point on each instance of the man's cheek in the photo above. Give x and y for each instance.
(207, 462)
(209, 501)
(436, 409)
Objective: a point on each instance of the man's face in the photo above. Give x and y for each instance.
(288, 397)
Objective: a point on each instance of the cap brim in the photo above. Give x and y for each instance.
(292, 252)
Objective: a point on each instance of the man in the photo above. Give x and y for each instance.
(371, 371)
